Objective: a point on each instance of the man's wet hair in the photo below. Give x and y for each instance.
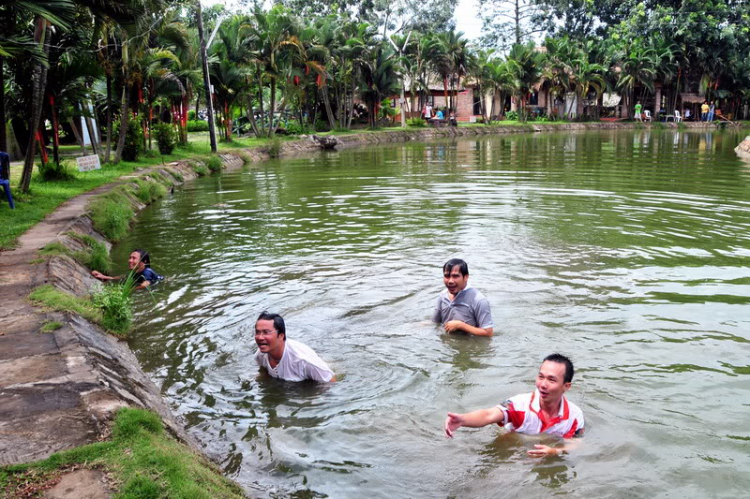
(144, 257)
(463, 267)
(278, 321)
(561, 359)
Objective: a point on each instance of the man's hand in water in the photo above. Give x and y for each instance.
(452, 423)
(543, 450)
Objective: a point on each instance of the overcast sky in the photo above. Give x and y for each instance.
(467, 16)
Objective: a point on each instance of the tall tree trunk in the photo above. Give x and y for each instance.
(327, 104)
(39, 82)
(271, 128)
(351, 104)
(77, 134)
(124, 117)
(92, 133)
(55, 131)
(3, 135)
(251, 115)
(260, 102)
(109, 119)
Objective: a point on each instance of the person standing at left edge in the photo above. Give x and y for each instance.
(284, 358)
(460, 307)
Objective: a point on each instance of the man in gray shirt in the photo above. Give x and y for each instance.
(459, 307)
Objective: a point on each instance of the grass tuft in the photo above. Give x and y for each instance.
(274, 150)
(140, 455)
(51, 326)
(214, 164)
(111, 214)
(50, 297)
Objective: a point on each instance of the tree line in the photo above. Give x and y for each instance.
(323, 64)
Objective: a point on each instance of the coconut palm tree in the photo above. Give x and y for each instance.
(526, 65)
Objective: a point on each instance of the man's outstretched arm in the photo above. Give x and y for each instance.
(476, 419)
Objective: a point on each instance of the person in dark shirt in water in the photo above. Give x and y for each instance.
(140, 264)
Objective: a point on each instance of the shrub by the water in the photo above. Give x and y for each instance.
(274, 150)
(149, 190)
(214, 164)
(116, 304)
(294, 128)
(166, 137)
(52, 172)
(197, 126)
(191, 114)
(416, 122)
(199, 168)
(97, 258)
(511, 116)
(133, 140)
(111, 214)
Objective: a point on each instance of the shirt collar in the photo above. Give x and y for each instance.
(535, 406)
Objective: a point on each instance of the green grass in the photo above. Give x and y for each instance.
(140, 455)
(50, 297)
(112, 213)
(95, 258)
(51, 326)
(214, 163)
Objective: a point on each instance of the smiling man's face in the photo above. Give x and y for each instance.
(267, 337)
(551, 382)
(454, 281)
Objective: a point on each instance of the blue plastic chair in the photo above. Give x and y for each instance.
(5, 178)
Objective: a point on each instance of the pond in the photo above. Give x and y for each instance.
(628, 251)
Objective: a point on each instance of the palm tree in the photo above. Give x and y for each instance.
(526, 64)
(275, 33)
(57, 11)
(379, 78)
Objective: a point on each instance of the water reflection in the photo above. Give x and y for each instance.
(627, 250)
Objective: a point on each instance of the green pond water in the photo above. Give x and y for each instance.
(626, 250)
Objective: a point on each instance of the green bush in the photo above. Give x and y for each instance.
(199, 168)
(511, 116)
(149, 190)
(97, 258)
(191, 115)
(416, 122)
(111, 214)
(197, 126)
(166, 137)
(116, 304)
(274, 150)
(133, 139)
(214, 164)
(52, 172)
(294, 128)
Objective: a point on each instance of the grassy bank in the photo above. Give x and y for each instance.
(141, 460)
(45, 196)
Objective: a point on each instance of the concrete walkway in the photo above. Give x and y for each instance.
(58, 390)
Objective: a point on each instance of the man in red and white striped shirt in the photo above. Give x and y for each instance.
(546, 410)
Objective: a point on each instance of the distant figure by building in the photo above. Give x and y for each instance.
(140, 264)
(704, 111)
(638, 109)
(427, 112)
(286, 359)
(460, 307)
(545, 410)
(711, 111)
(439, 115)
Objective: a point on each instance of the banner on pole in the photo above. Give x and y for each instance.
(88, 163)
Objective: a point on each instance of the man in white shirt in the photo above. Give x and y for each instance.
(546, 410)
(286, 359)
